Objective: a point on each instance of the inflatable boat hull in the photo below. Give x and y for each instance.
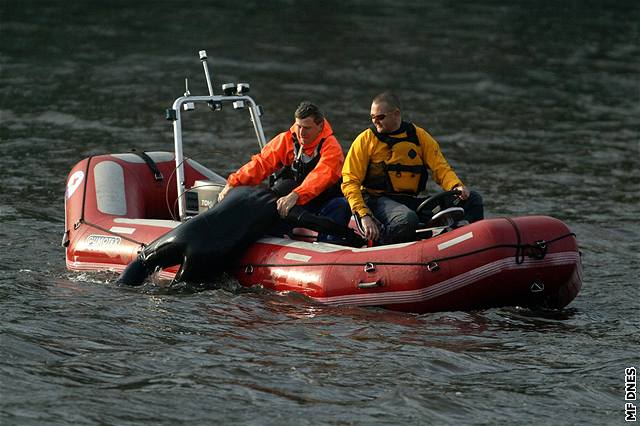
(116, 206)
(473, 267)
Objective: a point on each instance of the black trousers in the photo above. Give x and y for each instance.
(399, 220)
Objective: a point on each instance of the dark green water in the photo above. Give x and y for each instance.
(536, 104)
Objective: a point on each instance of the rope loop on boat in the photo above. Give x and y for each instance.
(538, 250)
(519, 247)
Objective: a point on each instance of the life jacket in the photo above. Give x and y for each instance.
(404, 171)
(302, 163)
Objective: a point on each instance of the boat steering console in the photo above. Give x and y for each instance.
(439, 214)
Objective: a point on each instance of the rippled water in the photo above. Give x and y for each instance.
(536, 105)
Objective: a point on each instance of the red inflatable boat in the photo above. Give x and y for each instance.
(117, 204)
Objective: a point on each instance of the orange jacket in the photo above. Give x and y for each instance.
(278, 153)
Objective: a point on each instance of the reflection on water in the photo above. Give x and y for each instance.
(534, 104)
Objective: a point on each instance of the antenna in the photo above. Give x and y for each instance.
(203, 58)
(215, 106)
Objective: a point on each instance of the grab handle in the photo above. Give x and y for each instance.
(372, 284)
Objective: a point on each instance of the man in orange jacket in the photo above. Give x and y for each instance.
(307, 153)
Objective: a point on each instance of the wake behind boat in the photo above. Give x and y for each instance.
(158, 212)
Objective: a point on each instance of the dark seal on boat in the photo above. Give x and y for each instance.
(207, 243)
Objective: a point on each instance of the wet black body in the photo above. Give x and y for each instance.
(207, 243)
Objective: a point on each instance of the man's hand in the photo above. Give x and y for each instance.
(464, 192)
(285, 204)
(224, 192)
(371, 230)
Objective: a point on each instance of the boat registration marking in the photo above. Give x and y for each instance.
(122, 230)
(298, 257)
(454, 241)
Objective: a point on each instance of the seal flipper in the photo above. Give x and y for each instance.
(182, 271)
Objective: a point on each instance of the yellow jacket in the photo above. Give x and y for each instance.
(367, 149)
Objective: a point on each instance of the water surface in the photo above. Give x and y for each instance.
(535, 104)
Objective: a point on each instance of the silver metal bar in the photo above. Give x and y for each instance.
(177, 145)
(254, 111)
(203, 58)
(177, 136)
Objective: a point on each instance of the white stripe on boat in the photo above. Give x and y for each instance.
(297, 256)
(454, 241)
(327, 247)
(122, 230)
(148, 222)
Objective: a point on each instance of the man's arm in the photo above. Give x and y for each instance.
(354, 172)
(261, 165)
(442, 172)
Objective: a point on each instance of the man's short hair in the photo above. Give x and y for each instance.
(389, 98)
(309, 109)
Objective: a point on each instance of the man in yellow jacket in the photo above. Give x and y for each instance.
(388, 165)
